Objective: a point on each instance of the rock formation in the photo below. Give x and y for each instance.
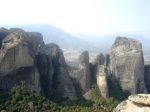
(84, 76)
(135, 103)
(147, 77)
(62, 83)
(3, 33)
(17, 61)
(127, 65)
(24, 58)
(101, 72)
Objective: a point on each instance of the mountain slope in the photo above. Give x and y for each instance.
(52, 34)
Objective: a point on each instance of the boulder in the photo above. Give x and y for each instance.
(127, 65)
(135, 103)
(140, 99)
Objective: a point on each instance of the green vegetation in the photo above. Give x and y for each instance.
(115, 90)
(19, 99)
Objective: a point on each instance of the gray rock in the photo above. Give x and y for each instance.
(140, 99)
(88, 95)
(101, 77)
(147, 77)
(62, 84)
(135, 103)
(84, 76)
(107, 60)
(127, 65)
(101, 73)
(24, 58)
(17, 62)
(100, 59)
(46, 70)
(84, 58)
(3, 33)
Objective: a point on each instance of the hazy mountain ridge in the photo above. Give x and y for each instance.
(109, 39)
(94, 44)
(52, 34)
(106, 42)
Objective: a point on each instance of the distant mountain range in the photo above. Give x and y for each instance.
(109, 39)
(52, 34)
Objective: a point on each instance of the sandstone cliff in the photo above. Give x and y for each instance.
(127, 65)
(135, 103)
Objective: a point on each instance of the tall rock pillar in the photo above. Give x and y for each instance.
(127, 65)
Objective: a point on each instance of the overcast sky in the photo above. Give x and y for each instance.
(99, 17)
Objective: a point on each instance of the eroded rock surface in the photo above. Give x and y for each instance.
(17, 61)
(24, 58)
(135, 103)
(84, 76)
(127, 65)
(62, 83)
(147, 77)
(101, 72)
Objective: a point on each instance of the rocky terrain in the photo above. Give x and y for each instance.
(125, 64)
(135, 103)
(71, 45)
(26, 59)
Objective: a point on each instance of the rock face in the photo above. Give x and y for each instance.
(17, 60)
(135, 103)
(147, 77)
(24, 58)
(61, 82)
(127, 65)
(101, 70)
(3, 33)
(84, 76)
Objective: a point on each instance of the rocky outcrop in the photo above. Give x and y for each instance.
(17, 61)
(24, 58)
(135, 103)
(84, 76)
(127, 65)
(3, 33)
(61, 82)
(147, 77)
(101, 72)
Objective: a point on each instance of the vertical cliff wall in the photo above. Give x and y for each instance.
(127, 65)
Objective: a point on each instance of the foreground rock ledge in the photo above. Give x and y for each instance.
(135, 103)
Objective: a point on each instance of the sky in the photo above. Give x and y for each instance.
(95, 17)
